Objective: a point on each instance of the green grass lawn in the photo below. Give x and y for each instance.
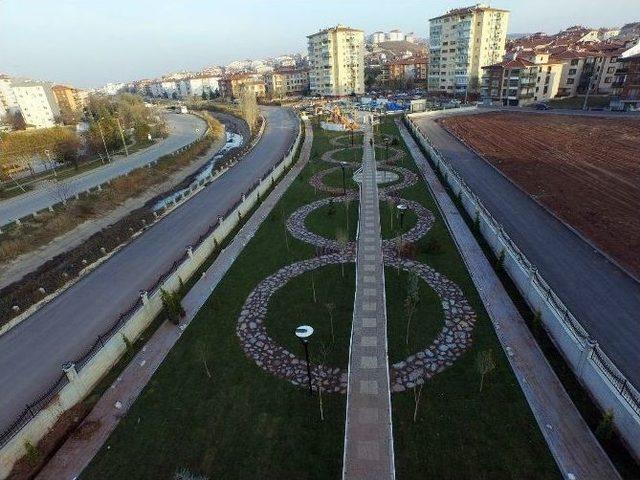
(246, 424)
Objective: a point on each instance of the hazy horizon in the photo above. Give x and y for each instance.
(68, 41)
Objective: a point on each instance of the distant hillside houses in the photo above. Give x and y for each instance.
(576, 61)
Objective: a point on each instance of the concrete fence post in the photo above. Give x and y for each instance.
(144, 295)
(587, 348)
(70, 371)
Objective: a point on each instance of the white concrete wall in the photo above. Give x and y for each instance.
(564, 329)
(83, 381)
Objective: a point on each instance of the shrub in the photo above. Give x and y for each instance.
(33, 454)
(172, 305)
(605, 427)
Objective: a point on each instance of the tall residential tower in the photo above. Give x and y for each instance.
(462, 41)
(336, 61)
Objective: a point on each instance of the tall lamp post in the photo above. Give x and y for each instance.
(343, 165)
(304, 332)
(401, 209)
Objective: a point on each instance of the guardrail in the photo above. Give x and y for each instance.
(81, 374)
(593, 367)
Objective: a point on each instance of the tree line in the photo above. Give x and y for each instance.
(111, 123)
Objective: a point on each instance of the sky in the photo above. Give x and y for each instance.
(87, 43)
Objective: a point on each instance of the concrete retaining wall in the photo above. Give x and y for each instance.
(81, 381)
(595, 370)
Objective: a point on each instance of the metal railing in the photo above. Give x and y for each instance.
(617, 381)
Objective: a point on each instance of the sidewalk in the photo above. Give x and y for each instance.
(368, 442)
(80, 449)
(573, 446)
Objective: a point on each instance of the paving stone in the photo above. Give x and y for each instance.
(368, 415)
(369, 341)
(369, 306)
(369, 322)
(368, 362)
(369, 450)
(369, 387)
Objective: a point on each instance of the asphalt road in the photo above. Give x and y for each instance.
(32, 353)
(183, 129)
(604, 298)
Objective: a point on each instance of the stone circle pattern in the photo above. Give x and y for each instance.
(459, 318)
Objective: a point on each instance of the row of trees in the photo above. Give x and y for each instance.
(112, 122)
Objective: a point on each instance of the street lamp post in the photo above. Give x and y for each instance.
(343, 165)
(401, 209)
(304, 332)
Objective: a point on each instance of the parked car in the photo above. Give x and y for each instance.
(542, 106)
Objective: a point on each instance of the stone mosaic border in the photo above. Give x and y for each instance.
(459, 318)
(452, 340)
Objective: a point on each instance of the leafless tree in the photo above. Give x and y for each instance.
(203, 352)
(60, 191)
(417, 393)
(342, 239)
(249, 107)
(330, 307)
(484, 364)
(411, 301)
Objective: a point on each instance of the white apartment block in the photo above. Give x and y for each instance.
(36, 102)
(522, 80)
(336, 61)
(462, 41)
(8, 102)
(190, 87)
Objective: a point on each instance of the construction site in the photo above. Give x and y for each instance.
(585, 169)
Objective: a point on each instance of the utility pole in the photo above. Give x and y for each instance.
(104, 142)
(586, 97)
(126, 150)
(51, 162)
(591, 83)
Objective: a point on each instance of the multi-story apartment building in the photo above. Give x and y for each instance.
(591, 69)
(8, 102)
(36, 102)
(625, 94)
(195, 86)
(67, 98)
(462, 41)
(232, 85)
(336, 61)
(521, 81)
(410, 69)
(287, 82)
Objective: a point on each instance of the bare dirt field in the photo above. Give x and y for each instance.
(585, 169)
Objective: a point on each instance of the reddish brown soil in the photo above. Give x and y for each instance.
(585, 169)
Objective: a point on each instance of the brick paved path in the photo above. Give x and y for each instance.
(368, 449)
